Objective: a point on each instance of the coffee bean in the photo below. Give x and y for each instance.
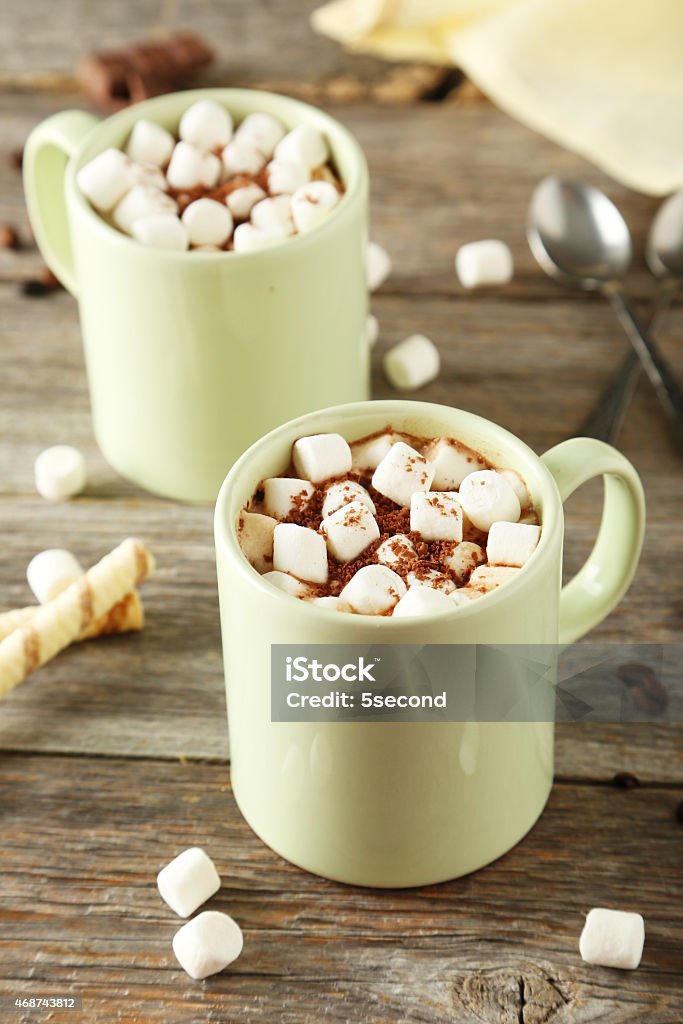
(9, 237)
(33, 288)
(633, 673)
(625, 780)
(649, 695)
(679, 813)
(15, 158)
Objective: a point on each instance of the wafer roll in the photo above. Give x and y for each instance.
(59, 622)
(125, 617)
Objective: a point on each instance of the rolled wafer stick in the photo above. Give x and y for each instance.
(56, 624)
(127, 616)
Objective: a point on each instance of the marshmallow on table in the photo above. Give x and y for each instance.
(274, 213)
(149, 143)
(188, 881)
(311, 204)
(207, 222)
(401, 473)
(489, 577)
(349, 531)
(300, 551)
(395, 550)
(190, 167)
(60, 472)
(373, 590)
(431, 579)
(488, 261)
(284, 176)
(486, 496)
(334, 604)
(260, 130)
(518, 485)
(106, 178)
(465, 557)
(249, 238)
(162, 230)
(303, 145)
(320, 456)
(206, 125)
(452, 463)
(241, 200)
(142, 201)
(369, 454)
(286, 583)
(255, 536)
(436, 515)
(50, 572)
(377, 265)
(343, 493)
(371, 330)
(241, 158)
(612, 938)
(422, 601)
(511, 543)
(283, 494)
(412, 363)
(207, 944)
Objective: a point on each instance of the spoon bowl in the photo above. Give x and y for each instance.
(664, 252)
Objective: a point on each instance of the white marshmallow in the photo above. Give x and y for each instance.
(489, 577)
(395, 550)
(335, 604)
(452, 463)
(486, 497)
(350, 530)
(436, 515)
(422, 601)
(374, 589)
(343, 493)
(431, 579)
(488, 261)
(274, 214)
(412, 363)
(287, 584)
(612, 938)
(463, 596)
(304, 145)
(52, 571)
(300, 552)
(285, 177)
(369, 454)
(401, 473)
(147, 174)
(249, 238)
(241, 200)
(206, 125)
(255, 536)
(282, 494)
(511, 543)
(189, 880)
(207, 944)
(320, 456)
(518, 485)
(60, 472)
(106, 178)
(162, 230)
(371, 330)
(464, 558)
(377, 265)
(241, 158)
(262, 131)
(312, 203)
(149, 143)
(189, 167)
(208, 222)
(142, 201)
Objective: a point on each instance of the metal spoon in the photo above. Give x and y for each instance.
(579, 238)
(664, 256)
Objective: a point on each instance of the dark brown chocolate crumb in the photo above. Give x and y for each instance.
(9, 237)
(33, 288)
(679, 812)
(625, 780)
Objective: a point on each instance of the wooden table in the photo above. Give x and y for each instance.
(114, 757)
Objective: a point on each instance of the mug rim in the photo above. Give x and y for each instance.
(355, 190)
(225, 532)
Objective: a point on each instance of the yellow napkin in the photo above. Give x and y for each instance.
(601, 77)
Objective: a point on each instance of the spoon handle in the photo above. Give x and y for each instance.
(656, 367)
(606, 419)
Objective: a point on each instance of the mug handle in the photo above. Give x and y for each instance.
(46, 154)
(607, 572)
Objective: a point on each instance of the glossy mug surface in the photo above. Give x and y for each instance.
(389, 804)
(192, 356)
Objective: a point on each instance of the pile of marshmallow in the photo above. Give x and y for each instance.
(446, 489)
(137, 189)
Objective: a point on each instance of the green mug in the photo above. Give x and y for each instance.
(399, 804)
(191, 356)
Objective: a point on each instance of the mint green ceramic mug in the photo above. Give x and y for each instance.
(192, 356)
(389, 804)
